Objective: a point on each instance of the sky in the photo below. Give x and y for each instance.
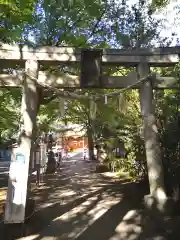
(172, 15)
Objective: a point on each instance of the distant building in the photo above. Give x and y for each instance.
(71, 138)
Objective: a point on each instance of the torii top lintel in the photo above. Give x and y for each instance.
(154, 56)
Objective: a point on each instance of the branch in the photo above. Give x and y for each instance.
(97, 23)
(95, 26)
(47, 100)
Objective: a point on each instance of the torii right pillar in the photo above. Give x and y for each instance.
(157, 197)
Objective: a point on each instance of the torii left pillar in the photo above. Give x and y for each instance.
(19, 169)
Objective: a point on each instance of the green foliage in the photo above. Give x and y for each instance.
(159, 4)
(47, 115)
(14, 14)
(115, 121)
(65, 22)
(10, 113)
(168, 117)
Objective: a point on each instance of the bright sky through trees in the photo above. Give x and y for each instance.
(171, 16)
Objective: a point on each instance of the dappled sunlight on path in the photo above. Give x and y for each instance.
(77, 203)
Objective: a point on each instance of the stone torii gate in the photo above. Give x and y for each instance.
(91, 75)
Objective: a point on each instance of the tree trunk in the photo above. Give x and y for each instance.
(51, 164)
(90, 143)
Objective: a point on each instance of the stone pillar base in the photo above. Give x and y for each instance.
(155, 205)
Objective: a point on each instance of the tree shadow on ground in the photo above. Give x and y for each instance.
(111, 211)
(125, 220)
(40, 219)
(130, 221)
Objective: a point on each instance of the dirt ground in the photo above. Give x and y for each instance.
(77, 203)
